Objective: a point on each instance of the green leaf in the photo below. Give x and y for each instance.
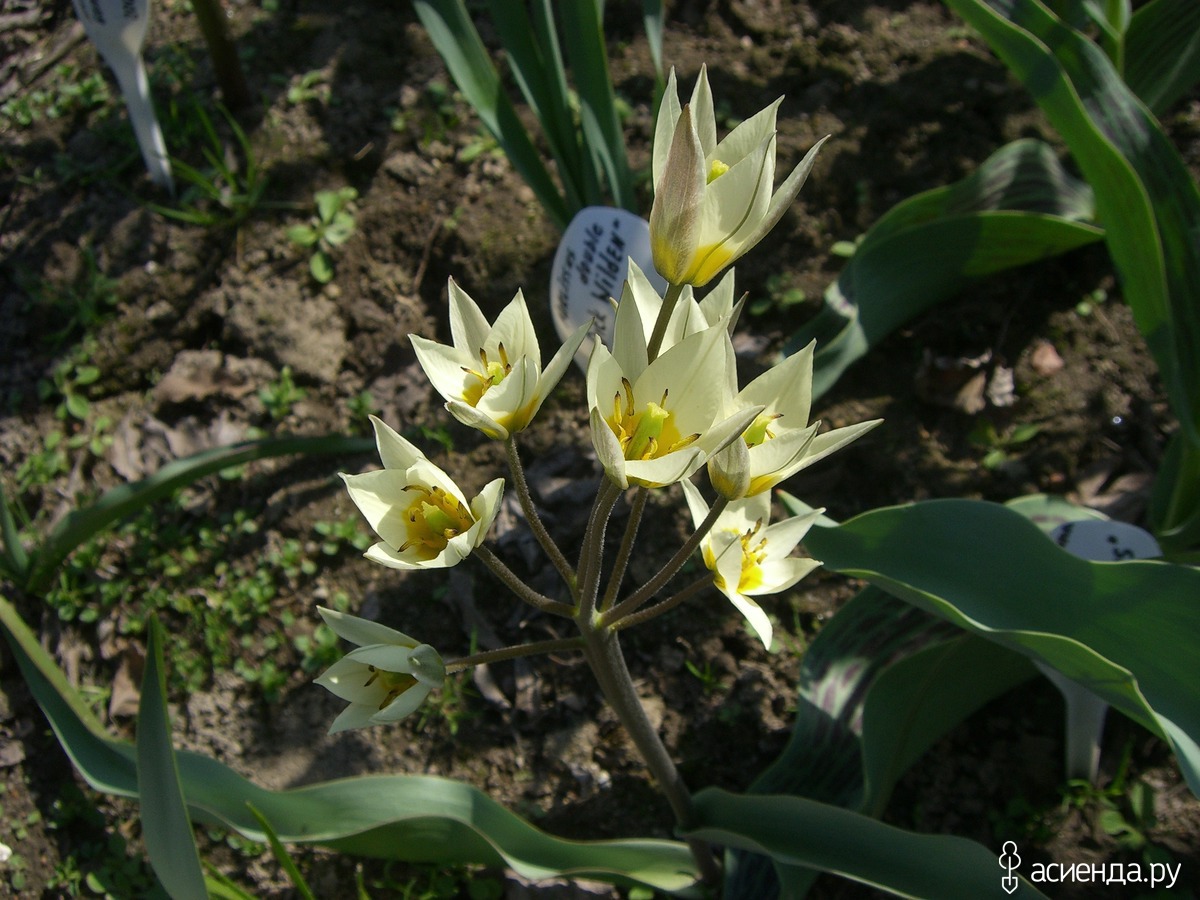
(119, 502)
(878, 686)
(166, 828)
(412, 817)
(652, 21)
(1162, 52)
(15, 561)
(303, 235)
(1144, 192)
(799, 833)
(583, 20)
(1018, 207)
(283, 857)
(329, 203)
(535, 59)
(321, 267)
(1127, 631)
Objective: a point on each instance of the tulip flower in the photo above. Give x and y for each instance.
(422, 516)
(713, 201)
(492, 377)
(655, 423)
(385, 679)
(781, 440)
(750, 558)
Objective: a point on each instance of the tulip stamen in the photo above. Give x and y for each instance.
(490, 373)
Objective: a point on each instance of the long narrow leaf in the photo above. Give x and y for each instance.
(535, 60)
(14, 561)
(166, 828)
(652, 21)
(583, 20)
(1162, 52)
(122, 501)
(1128, 631)
(411, 817)
(796, 833)
(1018, 207)
(453, 34)
(1144, 193)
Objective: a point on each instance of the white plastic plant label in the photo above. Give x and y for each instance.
(590, 267)
(1097, 540)
(118, 29)
(1105, 540)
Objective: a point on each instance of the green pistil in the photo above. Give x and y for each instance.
(716, 170)
(760, 429)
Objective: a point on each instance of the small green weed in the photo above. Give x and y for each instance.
(228, 186)
(311, 87)
(76, 305)
(710, 679)
(361, 407)
(281, 395)
(781, 294)
(985, 436)
(330, 227)
(71, 92)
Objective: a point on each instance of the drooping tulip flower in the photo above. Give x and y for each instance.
(385, 679)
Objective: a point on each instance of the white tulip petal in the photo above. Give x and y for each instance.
(702, 111)
(477, 419)
(664, 127)
(468, 327)
(363, 631)
(664, 470)
(394, 451)
(608, 449)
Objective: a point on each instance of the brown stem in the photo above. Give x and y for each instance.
(520, 588)
(515, 652)
(226, 65)
(608, 663)
(532, 517)
(635, 600)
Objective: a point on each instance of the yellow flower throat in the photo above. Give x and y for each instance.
(395, 683)
(433, 519)
(647, 433)
(754, 553)
(491, 373)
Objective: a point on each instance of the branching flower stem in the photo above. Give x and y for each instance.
(520, 588)
(608, 663)
(631, 528)
(591, 555)
(531, 516)
(535, 648)
(634, 601)
(653, 612)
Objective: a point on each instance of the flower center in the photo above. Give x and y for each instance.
(392, 683)
(647, 433)
(491, 372)
(716, 170)
(433, 518)
(754, 553)
(760, 429)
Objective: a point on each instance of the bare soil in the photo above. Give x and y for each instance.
(207, 317)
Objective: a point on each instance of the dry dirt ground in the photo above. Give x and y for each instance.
(174, 337)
